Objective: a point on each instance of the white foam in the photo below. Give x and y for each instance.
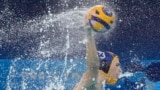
(126, 74)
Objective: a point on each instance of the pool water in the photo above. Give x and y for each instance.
(58, 75)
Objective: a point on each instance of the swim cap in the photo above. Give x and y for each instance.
(105, 60)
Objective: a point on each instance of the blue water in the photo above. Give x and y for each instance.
(38, 74)
(53, 75)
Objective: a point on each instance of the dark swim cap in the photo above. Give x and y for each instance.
(105, 60)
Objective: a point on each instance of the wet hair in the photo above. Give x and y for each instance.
(105, 60)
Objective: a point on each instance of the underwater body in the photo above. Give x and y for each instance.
(42, 43)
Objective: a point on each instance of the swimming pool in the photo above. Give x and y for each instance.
(55, 75)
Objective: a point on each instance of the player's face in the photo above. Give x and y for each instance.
(115, 68)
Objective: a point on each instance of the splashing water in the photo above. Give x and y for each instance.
(54, 30)
(59, 40)
(59, 36)
(126, 74)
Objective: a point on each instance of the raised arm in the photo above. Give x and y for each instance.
(89, 78)
(91, 54)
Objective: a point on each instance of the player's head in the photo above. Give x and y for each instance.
(110, 65)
